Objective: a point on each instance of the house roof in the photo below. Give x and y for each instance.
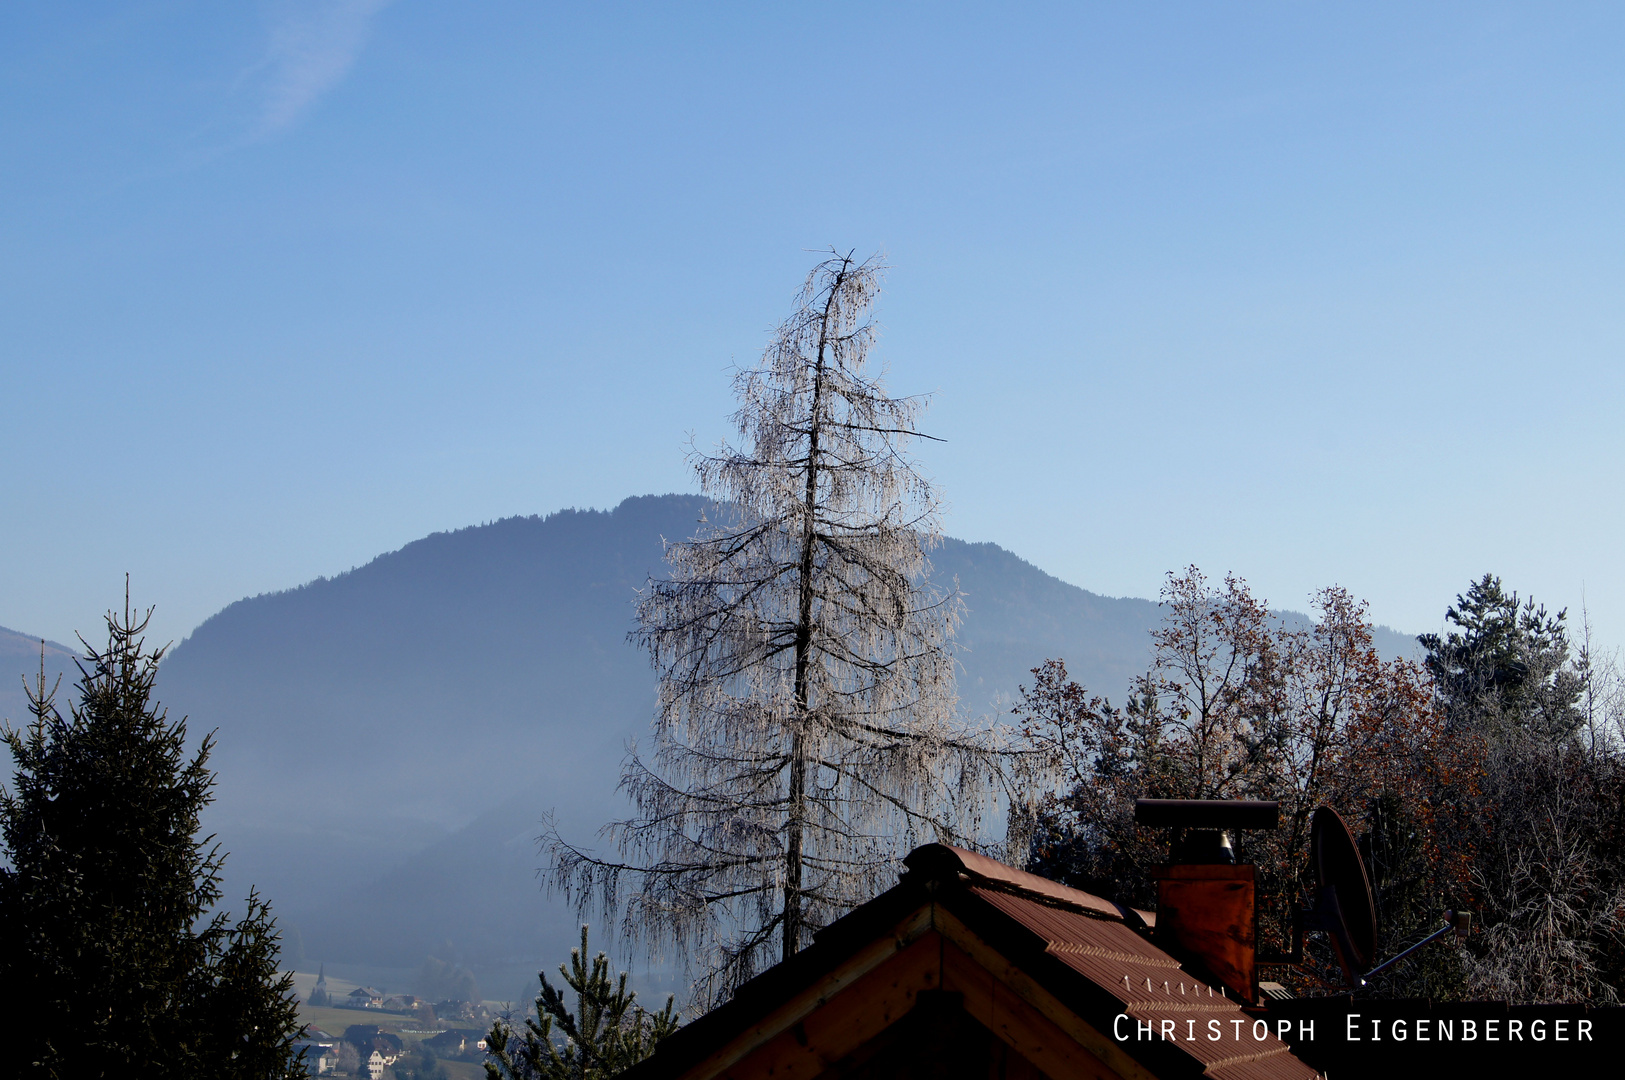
(1051, 971)
(452, 1037)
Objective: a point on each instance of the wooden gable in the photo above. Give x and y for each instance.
(971, 969)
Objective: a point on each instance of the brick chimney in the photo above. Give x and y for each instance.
(1207, 909)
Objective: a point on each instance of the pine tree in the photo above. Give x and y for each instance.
(1506, 670)
(608, 1032)
(108, 946)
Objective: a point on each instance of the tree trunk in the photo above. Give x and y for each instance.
(803, 655)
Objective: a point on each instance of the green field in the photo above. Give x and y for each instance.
(335, 1021)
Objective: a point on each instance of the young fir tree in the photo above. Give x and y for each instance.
(805, 733)
(608, 1032)
(107, 948)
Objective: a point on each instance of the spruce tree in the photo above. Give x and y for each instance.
(607, 1034)
(107, 941)
(1506, 669)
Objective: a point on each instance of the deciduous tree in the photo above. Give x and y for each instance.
(1545, 829)
(805, 733)
(1237, 705)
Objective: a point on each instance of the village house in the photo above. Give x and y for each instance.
(969, 968)
(452, 1042)
(366, 1037)
(321, 1058)
(403, 1003)
(365, 997)
(466, 1011)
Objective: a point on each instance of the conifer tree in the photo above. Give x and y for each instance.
(107, 945)
(1506, 669)
(608, 1032)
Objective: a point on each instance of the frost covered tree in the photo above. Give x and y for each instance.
(805, 732)
(1548, 861)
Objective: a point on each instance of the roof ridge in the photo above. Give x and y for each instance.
(938, 860)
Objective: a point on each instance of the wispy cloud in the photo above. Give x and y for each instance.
(312, 48)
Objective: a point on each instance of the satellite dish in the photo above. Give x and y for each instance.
(1343, 904)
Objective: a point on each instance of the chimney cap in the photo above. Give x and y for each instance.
(1207, 813)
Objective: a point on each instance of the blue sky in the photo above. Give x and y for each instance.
(1313, 293)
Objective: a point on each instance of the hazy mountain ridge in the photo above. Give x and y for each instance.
(370, 723)
(390, 738)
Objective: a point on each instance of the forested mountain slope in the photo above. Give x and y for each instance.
(390, 738)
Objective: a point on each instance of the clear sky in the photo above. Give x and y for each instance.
(1314, 293)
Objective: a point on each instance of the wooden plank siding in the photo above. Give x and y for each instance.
(828, 1037)
(1037, 1024)
(844, 1023)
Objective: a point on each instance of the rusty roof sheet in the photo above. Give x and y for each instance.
(992, 870)
(1156, 994)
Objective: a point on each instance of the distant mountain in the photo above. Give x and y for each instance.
(389, 739)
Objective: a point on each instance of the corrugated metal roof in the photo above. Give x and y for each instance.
(992, 870)
(1155, 992)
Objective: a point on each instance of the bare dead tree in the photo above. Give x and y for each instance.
(1554, 906)
(1602, 702)
(805, 733)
